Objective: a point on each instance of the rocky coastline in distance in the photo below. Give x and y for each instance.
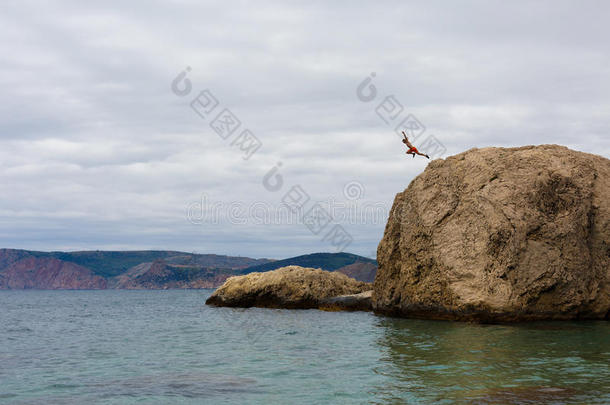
(488, 235)
(25, 269)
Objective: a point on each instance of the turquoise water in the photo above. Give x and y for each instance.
(167, 347)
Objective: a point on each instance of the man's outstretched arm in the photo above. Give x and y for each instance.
(407, 140)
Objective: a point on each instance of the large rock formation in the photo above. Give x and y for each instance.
(289, 287)
(500, 234)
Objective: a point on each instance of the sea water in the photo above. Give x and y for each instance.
(167, 347)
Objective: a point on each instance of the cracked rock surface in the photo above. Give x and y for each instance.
(500, 234)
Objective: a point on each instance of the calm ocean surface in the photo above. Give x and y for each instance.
(167, 347)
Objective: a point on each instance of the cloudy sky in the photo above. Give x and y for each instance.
(99, 151)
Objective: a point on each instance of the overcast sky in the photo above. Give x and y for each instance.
(98, 152)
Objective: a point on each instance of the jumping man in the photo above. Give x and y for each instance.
(412, 149)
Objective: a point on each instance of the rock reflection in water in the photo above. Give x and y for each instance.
(445, 362)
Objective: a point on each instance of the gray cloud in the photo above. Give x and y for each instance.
(96, 152)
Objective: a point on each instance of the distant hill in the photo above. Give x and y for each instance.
(362, 271)
(358, 267)
(114, 263)
(20, 269)
(162, 275)
(153, 269)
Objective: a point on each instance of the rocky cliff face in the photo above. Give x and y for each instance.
(51, 274)
(500, 234)
(10, 256)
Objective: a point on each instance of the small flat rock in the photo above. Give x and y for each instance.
(350, 302)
